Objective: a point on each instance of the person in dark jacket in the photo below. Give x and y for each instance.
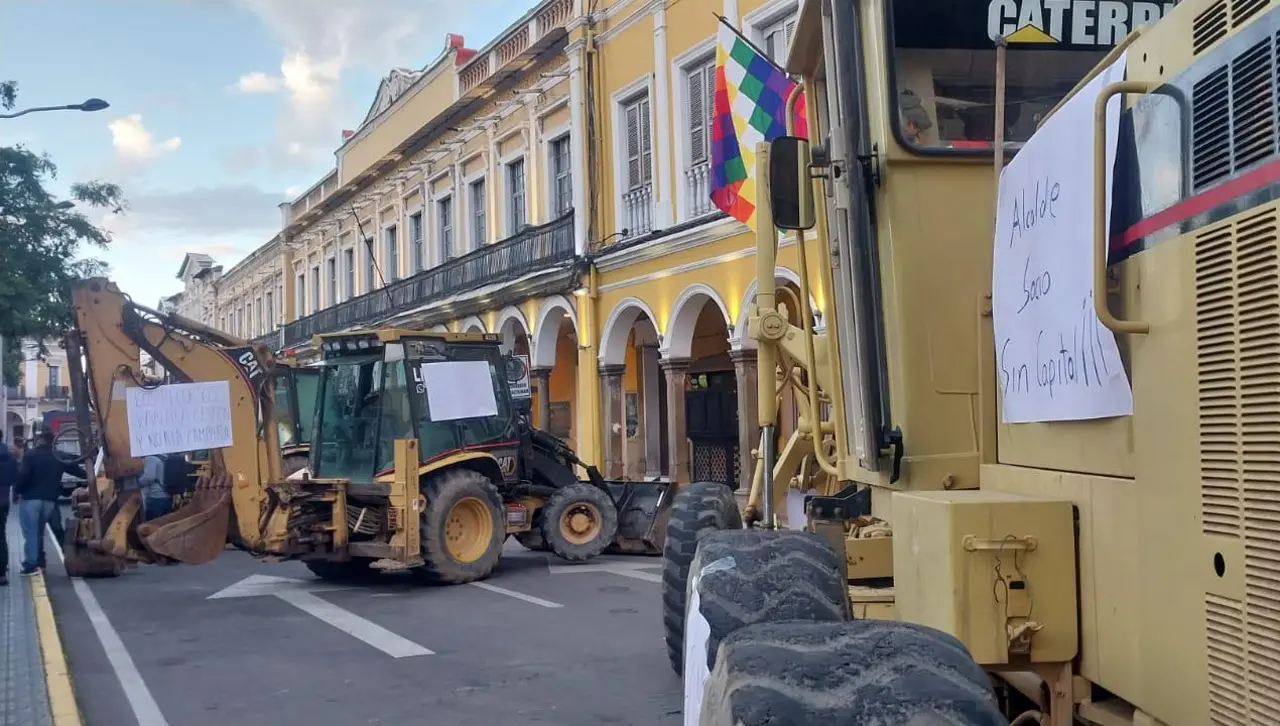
(8, 478)
(38, 489)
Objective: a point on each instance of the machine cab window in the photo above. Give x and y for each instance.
(944, 62)
(450, 395)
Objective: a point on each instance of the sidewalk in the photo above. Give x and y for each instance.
(34, 682)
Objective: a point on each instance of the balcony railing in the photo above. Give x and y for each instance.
(271, 340)
(698, 185)
(57, 392)
(14, 393)
(637, 210)
(533, 249)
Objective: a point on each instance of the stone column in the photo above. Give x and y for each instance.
(677, 372)
(663, 210)
(650, 408)
(578, 144)
(612, 419)
(542, 380)
(745, 372)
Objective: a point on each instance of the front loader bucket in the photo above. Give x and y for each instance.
(194, 534)
(641, 530)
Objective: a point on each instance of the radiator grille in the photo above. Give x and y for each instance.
(1233, 114)
(1237, 267)
(1212, 24)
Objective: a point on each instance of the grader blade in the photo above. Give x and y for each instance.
(194, 534)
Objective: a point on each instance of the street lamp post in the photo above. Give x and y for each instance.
(92, 104)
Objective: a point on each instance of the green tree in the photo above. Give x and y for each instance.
(42, 242)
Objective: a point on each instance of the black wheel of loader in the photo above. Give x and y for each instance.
(462, 528)
(578, 522)
(751, 576)
(697, 509)
(348, 571)
(856, 672)
(532, 539)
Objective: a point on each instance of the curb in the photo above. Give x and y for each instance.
(62, 697)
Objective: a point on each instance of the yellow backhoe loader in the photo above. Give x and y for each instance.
(1114, 568)
(402, 472)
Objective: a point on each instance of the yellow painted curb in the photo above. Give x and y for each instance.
(62, 698)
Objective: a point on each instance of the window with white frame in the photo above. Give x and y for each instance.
(415, 239)
(300, 296)
(331, 277)
(700, 84)
(370, 268)
(393, 253)
(444, 222)
(271, 311)
(257, 316)
(315, 288)
(776, 37)
(349, 271)
(517, 213)
(561, 176)
(240, 322)
(479, 218)
(637, 197)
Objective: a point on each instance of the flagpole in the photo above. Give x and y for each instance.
(753, 46)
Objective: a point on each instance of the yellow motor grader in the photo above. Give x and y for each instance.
(402, 473)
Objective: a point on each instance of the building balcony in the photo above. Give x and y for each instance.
(533, 250)
(15, 393)
(698, 188)
(637, 211)
(57, 392)
(271, 340)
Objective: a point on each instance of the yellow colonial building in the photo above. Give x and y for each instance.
(552, 186)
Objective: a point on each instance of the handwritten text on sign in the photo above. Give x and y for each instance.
(1055, 360)
(179, 417)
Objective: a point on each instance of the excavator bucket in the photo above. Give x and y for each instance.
(80, 561)
(196, 533)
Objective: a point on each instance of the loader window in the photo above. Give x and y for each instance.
(347, 428)
(396, 418)
(944, 62)
(477, 431)
(306, 384)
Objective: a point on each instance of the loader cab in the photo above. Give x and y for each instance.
(447, 390)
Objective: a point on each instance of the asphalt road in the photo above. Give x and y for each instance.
(540, 642)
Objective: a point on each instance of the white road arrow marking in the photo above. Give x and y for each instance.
(299, 594)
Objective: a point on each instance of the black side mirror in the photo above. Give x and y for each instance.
(790, 183)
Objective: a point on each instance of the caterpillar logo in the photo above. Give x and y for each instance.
(507, 464)
(1097, 23)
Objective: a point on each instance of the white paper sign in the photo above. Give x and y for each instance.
(459, 389)
(1054, 358)
(178, 417)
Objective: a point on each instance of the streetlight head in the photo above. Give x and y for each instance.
(93, 104)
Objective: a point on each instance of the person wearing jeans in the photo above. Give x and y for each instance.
(38, 489)
(8, 477)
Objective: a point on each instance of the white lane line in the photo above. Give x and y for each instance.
(517, 595)
(352, 624)
(144, 706)
(637, 574)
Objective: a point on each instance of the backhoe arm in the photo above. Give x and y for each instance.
(112, 332)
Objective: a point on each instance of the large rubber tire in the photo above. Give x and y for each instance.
(696, 510)
(351, 571)
(579, 502)
(476, 494)
(870, 672)
(753, 576)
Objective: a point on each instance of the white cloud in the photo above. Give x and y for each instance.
(133, 142)
(257, 82)
(334, 36)
(294, 192)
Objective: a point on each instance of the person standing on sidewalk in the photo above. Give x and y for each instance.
(8, 477)
(156, 500)
(38, 489)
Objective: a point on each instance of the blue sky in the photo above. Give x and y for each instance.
(219, 108)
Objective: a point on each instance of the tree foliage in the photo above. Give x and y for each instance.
(43, 241)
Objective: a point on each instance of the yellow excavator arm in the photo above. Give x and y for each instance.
(111, 332)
